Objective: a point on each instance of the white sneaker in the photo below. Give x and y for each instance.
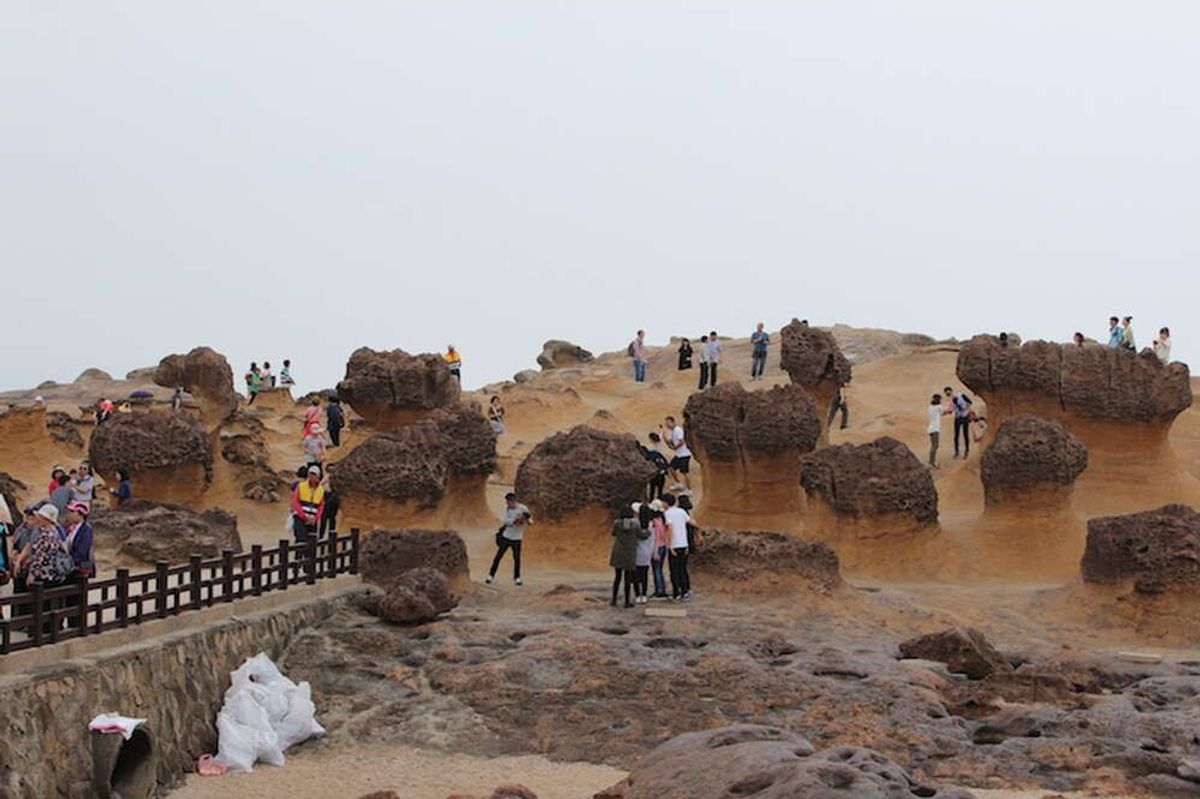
(518, 581)
(489, 579)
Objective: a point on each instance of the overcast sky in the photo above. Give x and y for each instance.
(298, 179)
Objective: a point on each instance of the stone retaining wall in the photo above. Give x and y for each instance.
(177, 681)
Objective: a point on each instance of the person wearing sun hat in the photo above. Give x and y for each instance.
(46, 560)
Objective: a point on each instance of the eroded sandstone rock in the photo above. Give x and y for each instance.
(392, 389)
(1157, 550)
(168, 455)
(765, 559)
(964, 651)
(206, 375)
(417, 596)
(147, 532)
(1031, 456)
(813, 360)
(388, 554)
(556, 354)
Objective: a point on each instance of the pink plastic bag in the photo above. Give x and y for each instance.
(207, 767)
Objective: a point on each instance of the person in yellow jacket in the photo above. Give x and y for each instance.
(308, 505)
(454, 361)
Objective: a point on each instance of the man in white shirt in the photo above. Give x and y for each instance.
(936, 411)
(714, 357)
(681, 456)
(677, 520)
(510, 536)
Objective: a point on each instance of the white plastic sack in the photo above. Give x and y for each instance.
(264, 714)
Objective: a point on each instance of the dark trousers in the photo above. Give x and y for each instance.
(503, 545)
(712, 374)
(704, 375)
(641, 580)
(655, 489)
(628, 576)
(838, 405)
(680, 583)
(335, 435)
(962, 424)
(302, 531)
(758, 364)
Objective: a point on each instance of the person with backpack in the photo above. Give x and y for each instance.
(760, 339)
(961, 406)
(637, 351)
(627, 532)
(654, 454)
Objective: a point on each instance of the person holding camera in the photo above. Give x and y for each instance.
(510, 535)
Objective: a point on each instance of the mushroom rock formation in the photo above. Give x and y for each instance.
(813, 360)
(868, 491)
(205, 374)
(431, 473)
(748, 562)
(392, 389)
(1032, 460)
(1156, 551)
(169, 456)
(556, 354)
(387, 554)
(1119, 404)
(753, 760)
(575, 484)
(141, 533)
(750, 444)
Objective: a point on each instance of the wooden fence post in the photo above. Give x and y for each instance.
(83, 605)
(331, 562)
(123, 597)
(5, 635)
(36, 632)
(160, 588)
(227, 568)
(256, 569)
(284, 551)
(310, 560)
(196, 576)
(355, 540)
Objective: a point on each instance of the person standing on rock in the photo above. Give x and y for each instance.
(760, 339)
(312, 417)
(714, 357)
(268, 378)
(285, 374)
(645, 552)
(839, 404)
(83, 487)
(681, 456)
(314, 445)
(510, 536)
(1114, 332)
(936, 411)
(662, 546)
(704, 362)
(335, 420)
(1127, 340)
(124, 490)
(454, 361)
(308, 505)
(1162, 345)
(253, 382)
(685, 355)
(496, 415)
(961, 406)
(637, 351)
(627, 532)
(60, 498)
(654, 454)
(677, 520)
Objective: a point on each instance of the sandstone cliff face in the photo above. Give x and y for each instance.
(11, 492)
(1157, 550)
(1031, 457)
(392, 389)
(765, 560)
(168, 455)
(206, 375)
(1090, 382)
(813, 360)
(879, 486)
(432, 472)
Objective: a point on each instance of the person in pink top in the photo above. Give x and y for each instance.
(658, 555)
(637, 351)
(312, 417)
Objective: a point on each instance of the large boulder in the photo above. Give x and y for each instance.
(764, 561)
(392, 389)
(168, 455)
(813, 360)
(388, 554)
(556, 354)
(206, 375)
(1031, 458)
(767, 763)
(750, 444)
(574, 484)
(433, 472)
(964, 651)
(868, 490)
(1156, 550)
(141, 533)
(1066, 382)
(417, 596)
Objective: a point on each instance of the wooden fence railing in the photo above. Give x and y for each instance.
(44, 616)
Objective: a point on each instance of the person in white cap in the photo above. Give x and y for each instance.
(45, 560)
(314, 445)
(308, 505)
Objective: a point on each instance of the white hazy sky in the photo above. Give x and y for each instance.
(297, 179)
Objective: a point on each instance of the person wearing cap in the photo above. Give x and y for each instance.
(308, 505)
(45, 559)
(454, 361)
(314, 445)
